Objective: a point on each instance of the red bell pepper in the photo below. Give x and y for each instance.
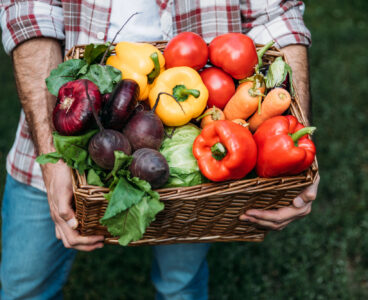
(283, 147)
(225, 150)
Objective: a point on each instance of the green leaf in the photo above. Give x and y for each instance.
(121, 161)
(179, 178)
(52, 158)
(123, 197)
(138, 218)
(277, 73)
(65, 72)
(105, 77)
(93, 178)
(130, 225)
(93, 53)
(290, 72)
(74, 149)
(83, 71)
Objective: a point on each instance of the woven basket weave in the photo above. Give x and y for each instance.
(202, 213)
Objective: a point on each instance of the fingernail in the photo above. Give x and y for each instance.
(72, 223)
(298, 202)
(243, 218)
(250, 213)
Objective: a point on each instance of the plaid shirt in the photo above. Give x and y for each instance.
(87, 21)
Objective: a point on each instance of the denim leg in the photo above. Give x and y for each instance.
(180, 271)
(35, 264)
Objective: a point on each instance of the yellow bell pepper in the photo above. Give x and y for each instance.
(186, 86)
(140, 62)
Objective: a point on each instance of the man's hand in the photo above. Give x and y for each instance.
(60, 195)
(279, 218)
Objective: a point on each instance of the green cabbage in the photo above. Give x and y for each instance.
(177, 150)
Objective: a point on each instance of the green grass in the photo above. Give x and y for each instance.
(323, 256)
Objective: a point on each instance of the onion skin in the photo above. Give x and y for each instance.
(120, 105)
(150, 165)
(103, 144)
(72, 114)
(144, 130)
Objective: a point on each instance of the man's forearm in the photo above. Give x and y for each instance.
(33, 60)
(297, 57)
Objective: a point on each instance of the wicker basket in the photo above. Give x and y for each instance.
(203, 213)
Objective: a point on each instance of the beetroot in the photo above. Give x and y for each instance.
(120, 105)
(144, 130)
(73, 114)
(103, 144)
(150, 165)
(105, 98)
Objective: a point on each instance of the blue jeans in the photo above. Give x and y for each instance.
(35, 265)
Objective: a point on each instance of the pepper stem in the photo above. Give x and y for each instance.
(156, 69)
(218, 151)
(261, 52)
(301, 132)
(181, 93)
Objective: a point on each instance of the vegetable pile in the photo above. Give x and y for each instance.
(139, 119)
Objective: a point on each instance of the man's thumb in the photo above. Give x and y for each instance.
(67, 214)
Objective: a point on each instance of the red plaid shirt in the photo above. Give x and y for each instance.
(87, 21)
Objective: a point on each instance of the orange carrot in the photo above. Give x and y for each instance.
(241, 122)
(244, 102)
(275, 103)
(211, 115)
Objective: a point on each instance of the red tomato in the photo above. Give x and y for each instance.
(235, 53)
(220, 86)
(186, 49)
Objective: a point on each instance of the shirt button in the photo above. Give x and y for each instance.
(100, 35)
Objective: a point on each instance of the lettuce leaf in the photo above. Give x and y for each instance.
(178, 152)
(277, 73)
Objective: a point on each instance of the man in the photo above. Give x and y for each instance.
(35, 264)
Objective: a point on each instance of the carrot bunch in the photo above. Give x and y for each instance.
(259, 97)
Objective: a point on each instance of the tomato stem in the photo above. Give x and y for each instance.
(214, 113)
(261, 52)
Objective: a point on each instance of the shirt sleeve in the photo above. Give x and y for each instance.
(281, 21)
(24, 20)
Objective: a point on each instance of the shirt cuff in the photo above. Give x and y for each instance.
(285, 29)
(22, 21)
